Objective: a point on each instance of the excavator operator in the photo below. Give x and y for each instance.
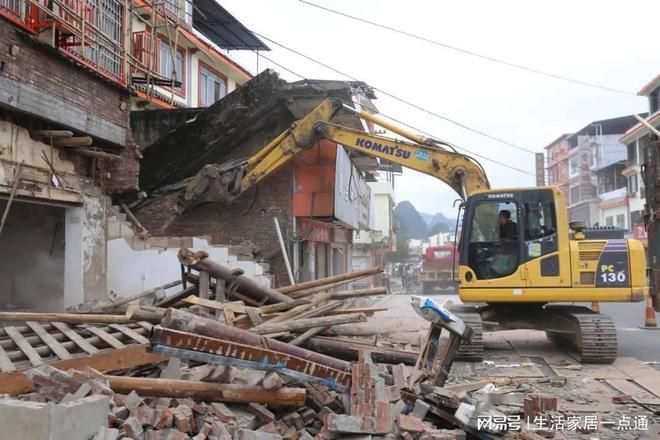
(508, 228)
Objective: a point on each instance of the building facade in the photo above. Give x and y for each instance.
(71, 72)
(639, 140)
(589, 167)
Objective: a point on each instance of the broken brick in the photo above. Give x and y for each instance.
(410, 423)
(165, 434)
(183, 418)
(246, 434)
(420, 409)
(219, 431)
(262, 413)
(224, 414)
(145, 415)
(132, 427)
(626, 398)
(132, 401)
(272, 381)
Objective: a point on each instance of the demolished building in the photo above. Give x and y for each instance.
(319, 199)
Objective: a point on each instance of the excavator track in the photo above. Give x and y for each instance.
(594, 334)
(474, 350)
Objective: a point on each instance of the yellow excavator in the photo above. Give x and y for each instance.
(518, 252)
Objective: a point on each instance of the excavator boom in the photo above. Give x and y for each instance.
(223, 183)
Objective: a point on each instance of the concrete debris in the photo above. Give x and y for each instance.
(222, 378)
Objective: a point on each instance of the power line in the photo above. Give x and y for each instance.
(397, 98)
(417, 129)
(469, 52)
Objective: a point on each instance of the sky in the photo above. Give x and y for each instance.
(610, 43)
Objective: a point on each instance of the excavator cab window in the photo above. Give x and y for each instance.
(494, 247)
(540, 224)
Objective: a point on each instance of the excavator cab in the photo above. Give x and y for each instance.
(511, 240)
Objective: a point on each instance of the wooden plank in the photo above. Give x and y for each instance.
(48, 339)
(75, 337)
(107, 337)
(638, 394)
(107, 360)
(130, 333)
(651, 384)
(234, 306)
(24, 345)
(6, 366)
(204, 285)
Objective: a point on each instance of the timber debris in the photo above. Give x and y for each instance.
(222, 358)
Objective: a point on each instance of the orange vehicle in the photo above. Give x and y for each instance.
(437, 269)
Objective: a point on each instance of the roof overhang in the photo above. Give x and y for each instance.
(650, 86)
(222, 28)
(640, 130)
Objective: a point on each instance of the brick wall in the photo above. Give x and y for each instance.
(43, 69)
(246, 224)
(41, 66)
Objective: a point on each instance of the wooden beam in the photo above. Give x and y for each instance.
(330, 280)
(70, 318)
(300, 324)
(51, 133)
(48, 339)
(96, 153)
(208, 392)
(107, 360)
(80, 141)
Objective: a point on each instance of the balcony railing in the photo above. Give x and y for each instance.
(89, 31)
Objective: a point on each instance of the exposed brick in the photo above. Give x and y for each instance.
(263, 413)
(133, 428)
(145, 415)
(253, 229)
(272, 381)
(132, 401)
(626, 398)
(165, 434)
(183, 418)
(245, 434)
(409, 423)
(224, 414)
(420, 408)
(219, 431)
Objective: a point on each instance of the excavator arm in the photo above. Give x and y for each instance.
(223, 183)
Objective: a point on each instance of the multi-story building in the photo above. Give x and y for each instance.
(71, 71)
(588, 166)
(557, 162)
(173, 64)
(637, 140)
(372, 244)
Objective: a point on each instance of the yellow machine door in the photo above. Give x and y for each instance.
(545, 254)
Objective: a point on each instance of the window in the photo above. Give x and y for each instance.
(609, 221)
(575, 194)
(632, 153)
(493, 250)
(574, 166)
(540, 219)
(212, 86)
(621, 221)
(632, 185)
(441, 255)
(170, 70)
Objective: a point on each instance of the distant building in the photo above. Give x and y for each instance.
(557, 159)
(587, 166)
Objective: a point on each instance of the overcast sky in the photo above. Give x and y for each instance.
(612, 43)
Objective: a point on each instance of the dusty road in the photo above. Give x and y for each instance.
(402, 322)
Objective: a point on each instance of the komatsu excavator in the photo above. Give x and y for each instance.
(518, 252)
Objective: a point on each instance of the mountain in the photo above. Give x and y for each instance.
(438, 222)
(411, 224)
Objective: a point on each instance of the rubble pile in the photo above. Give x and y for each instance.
(226, 358)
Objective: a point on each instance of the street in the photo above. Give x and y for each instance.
(633, 341)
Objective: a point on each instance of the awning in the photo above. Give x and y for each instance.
(222, 28)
